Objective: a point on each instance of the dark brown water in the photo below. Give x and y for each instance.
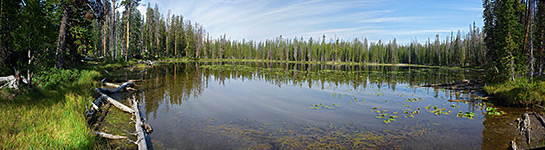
(297, 106)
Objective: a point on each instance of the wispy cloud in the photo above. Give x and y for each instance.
(346, 19)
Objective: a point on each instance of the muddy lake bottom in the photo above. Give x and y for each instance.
(313, 106)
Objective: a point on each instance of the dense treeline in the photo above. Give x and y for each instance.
(459, 50)
(515, 37)
(99, 29)
(171, 36)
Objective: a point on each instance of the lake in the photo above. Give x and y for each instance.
(251, 105)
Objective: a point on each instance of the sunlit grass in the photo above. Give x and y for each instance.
(49, 119)
(522, 92)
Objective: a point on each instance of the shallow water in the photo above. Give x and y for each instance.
(298, 106)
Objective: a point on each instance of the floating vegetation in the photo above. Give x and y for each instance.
(494, 111)
(336, 95)
(380, 93)
(321, 105)
(437, 111)
(469, 115)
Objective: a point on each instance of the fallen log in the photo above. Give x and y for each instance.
(110, 136)
(95, 107)
(118, 86)
(458, 100)
(454, 84)
(10, 82)
(141, 139)
(123, 86)
(7, 78)
(114, 102)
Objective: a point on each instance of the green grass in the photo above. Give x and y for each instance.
(50, 118)
(521, 92)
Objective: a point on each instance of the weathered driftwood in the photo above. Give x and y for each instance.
(523, 126)
(114, 102)
(458, 100)
(141, 139)
(513, 145)
(110, 136)
(120, 87)
(7, 78)
(148, 62)
(10, 82)
(120, 80)
(95, 107)
(458, 84)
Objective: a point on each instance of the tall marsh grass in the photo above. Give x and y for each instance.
(51, 117)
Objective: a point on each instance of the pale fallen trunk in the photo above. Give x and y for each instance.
(123, 86)
(9, 80)
(110, 136)
(114, 102)
(141, 139)
(118, 86)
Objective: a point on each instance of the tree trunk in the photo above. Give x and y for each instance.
(128, 30)
(104, 38)
(531, 38)
(113, 47)
(61, 42)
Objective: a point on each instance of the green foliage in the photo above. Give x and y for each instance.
(55, 78)
(521, 92)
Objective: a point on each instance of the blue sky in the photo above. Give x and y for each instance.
(344, 19)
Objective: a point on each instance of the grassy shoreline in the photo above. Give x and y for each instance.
(520, 93)
(49, 118)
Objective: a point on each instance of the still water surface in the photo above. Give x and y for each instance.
(302, 106)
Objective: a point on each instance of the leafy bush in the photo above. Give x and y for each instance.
(53, 77)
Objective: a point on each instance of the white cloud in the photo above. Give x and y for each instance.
(266, 19)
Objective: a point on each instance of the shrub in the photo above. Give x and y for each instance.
(53, 77)
(522, 92)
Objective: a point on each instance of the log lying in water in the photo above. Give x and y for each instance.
(128, 87)
(120, 87)
(459, 100)
(114, 102)
(455, 85)
(141, 138)
(120, 80)
(140, 126)
(110, 136)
